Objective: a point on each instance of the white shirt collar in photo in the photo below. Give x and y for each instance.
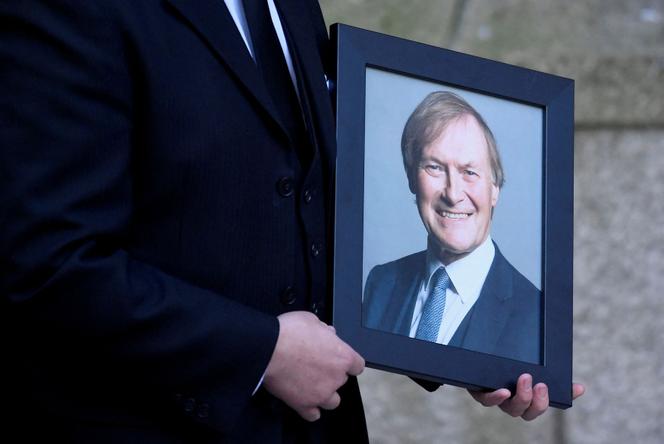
(467, 276)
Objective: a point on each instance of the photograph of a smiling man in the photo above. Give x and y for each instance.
(459, 290)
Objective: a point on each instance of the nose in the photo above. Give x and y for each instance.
(453, 192)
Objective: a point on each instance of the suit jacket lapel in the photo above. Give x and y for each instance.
(314, 95)
(404, 295)
(212, 21)
(405, 317)
(487, 319)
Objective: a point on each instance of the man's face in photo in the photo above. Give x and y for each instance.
(455, 189)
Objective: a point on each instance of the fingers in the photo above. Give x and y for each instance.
(310, 414)
(492, 398)
(357, 363)
(332, 403)
(539, 404)
(309, 364)
(578, 390)
(521, 401)
(528, 403)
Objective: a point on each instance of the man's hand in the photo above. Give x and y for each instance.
(309, 364)
(528, 403)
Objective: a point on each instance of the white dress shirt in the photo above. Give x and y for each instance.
(467, 276)
(236, 8)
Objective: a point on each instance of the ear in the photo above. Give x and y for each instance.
(412, 182)
(495, 193)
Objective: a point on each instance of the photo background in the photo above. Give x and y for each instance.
(392, 226)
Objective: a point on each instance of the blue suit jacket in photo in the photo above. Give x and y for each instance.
(505, 321)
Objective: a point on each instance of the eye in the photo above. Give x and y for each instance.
(433, 169)
(470, 173)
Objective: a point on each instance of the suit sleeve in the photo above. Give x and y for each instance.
(79, 300)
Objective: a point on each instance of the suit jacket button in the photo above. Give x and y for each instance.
(189, 405)
(315, 249)
(285, 187)
(288, 296)
(308, 195)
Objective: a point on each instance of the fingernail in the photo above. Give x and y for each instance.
(541, 391)
(527, 383)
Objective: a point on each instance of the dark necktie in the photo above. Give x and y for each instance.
(434, 307)
(272, 65)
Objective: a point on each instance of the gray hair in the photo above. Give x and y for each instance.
(427, 123)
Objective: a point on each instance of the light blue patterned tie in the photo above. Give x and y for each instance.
(432, 313)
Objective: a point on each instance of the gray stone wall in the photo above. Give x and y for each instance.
(614, 49)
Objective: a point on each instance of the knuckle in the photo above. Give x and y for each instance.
(333, 402)
(346, 359)
(524, 399)
(321, 395)
(339, 381)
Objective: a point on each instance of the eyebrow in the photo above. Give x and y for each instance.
(469, 165)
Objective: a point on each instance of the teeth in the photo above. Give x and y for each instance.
(454, 215)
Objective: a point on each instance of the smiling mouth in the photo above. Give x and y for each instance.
(451, 215)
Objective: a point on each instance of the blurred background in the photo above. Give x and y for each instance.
(614, 49)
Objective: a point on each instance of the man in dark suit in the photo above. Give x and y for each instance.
(461, 291)
(165, 221)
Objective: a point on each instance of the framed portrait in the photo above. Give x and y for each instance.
(453, 214)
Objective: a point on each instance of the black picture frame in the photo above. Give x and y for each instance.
(359, 50)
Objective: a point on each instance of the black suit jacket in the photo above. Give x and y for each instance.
(155, 218)
(505, 320)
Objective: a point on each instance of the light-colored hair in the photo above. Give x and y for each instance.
(429, 120)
